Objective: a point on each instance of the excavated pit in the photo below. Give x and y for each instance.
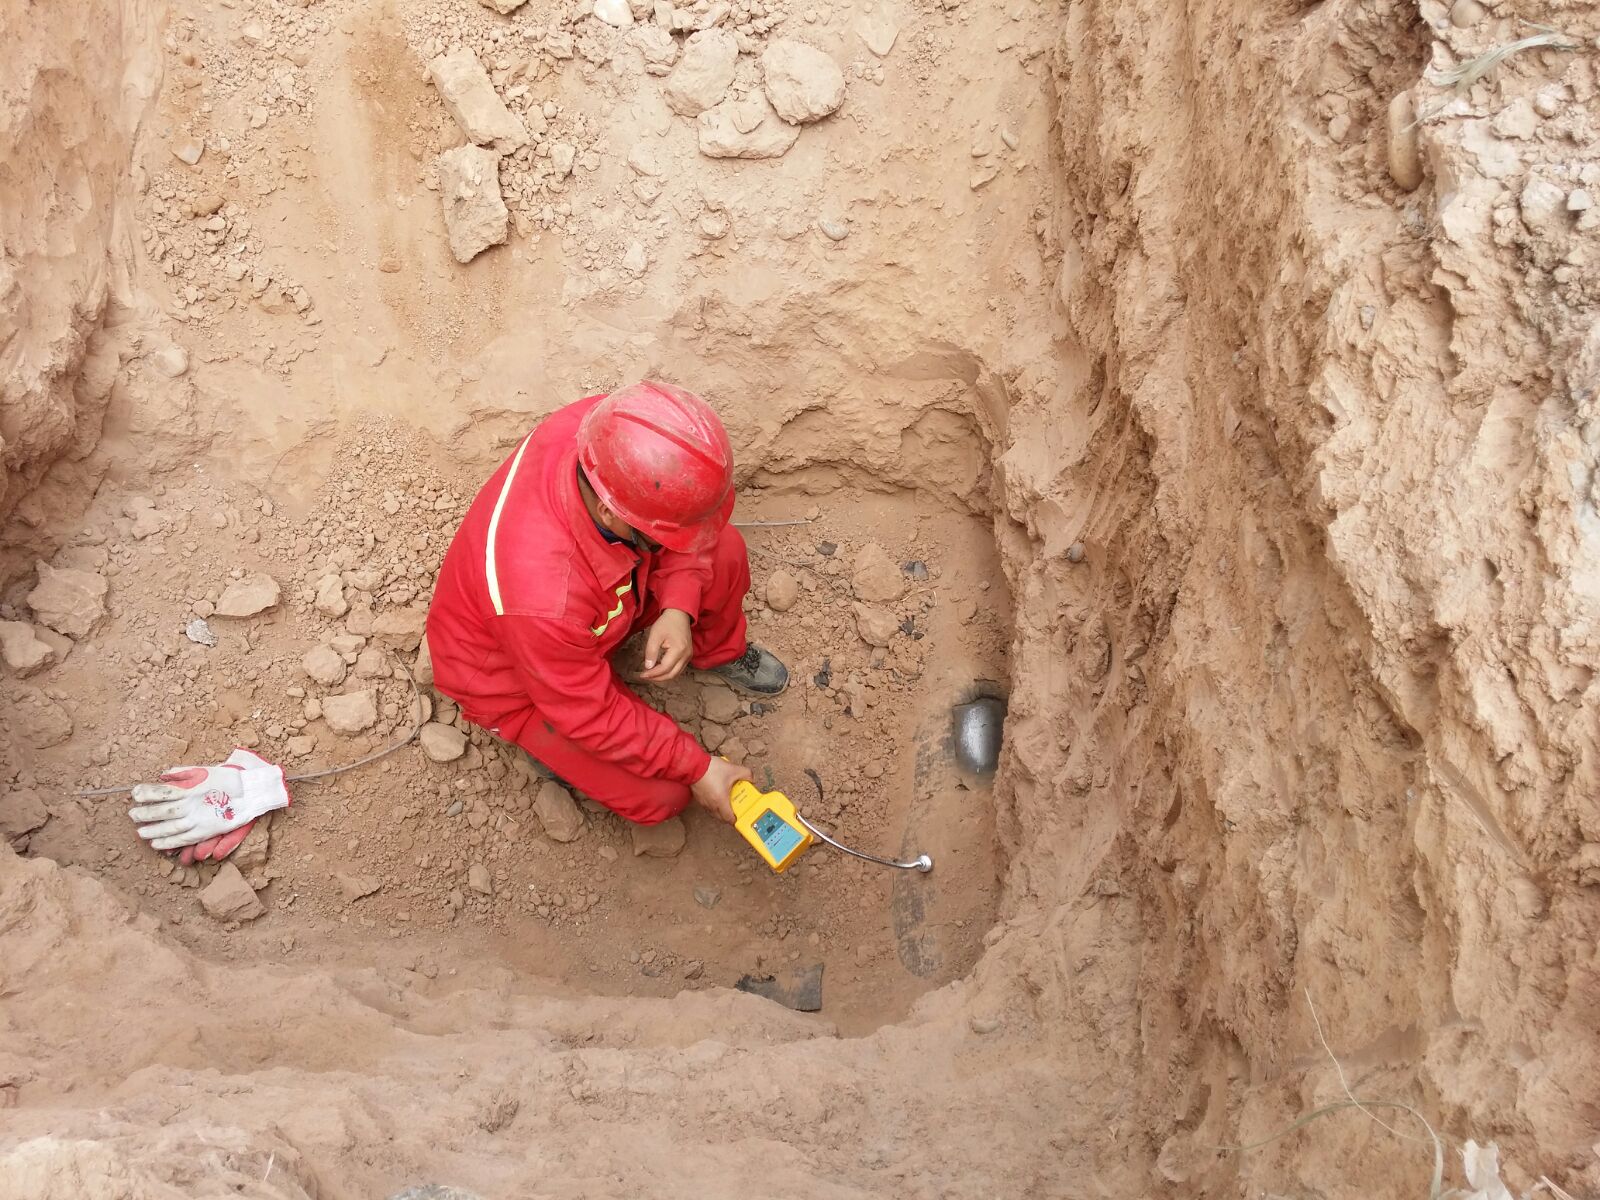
(1237, 429)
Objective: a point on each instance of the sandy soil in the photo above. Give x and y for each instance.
(1241, 425)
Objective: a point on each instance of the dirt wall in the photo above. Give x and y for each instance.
(1327, 721)
(77, 82)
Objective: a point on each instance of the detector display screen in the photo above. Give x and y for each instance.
(777, 835)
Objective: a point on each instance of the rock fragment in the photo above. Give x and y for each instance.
(400, 627)
(878, 30)
(21, 812)
(330, 601)
(665, 840)
(475, 215)
(658, 47)
(470, 98)
(634, 261)
(171, 361)
(877, 626)
(325, 665)
(802, 82)
(703, 73)
(503, 7)
(1405, 153)
(248, 596)
(351, 712)
(478, 879)
(229, 898)
(746, 128)
(69, 601)
(422, 669)
(783, 590)
(442, 743)
(876, 578)
(22, 649)
(188, 150)
(355, 887)
(614, 13)
(557, 812)
(1542, 206)
(1516, 120)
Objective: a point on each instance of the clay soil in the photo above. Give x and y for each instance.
(1218, 382)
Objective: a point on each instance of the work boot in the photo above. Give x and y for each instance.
(756, 671)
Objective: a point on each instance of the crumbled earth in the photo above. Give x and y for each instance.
(1216, 381)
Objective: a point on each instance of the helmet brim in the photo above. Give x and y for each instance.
(694, 539)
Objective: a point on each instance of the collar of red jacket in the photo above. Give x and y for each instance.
(611, 562)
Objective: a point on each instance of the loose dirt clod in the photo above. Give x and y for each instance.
(351, 712)
(442, 743)
(876, 577)
(663, 840)
(248, 597)
(22, 650)
(557, 812)
(475, 216)
(703, 73)
(802, 82)
(71, 602)
(229, 898)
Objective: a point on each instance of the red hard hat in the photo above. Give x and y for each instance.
(660, 459)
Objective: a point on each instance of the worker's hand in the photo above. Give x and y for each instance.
(714, 791)
(667, 647)
(208, 808)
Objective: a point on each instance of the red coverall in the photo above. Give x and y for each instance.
(531, 602)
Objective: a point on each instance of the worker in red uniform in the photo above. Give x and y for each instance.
(610, 517)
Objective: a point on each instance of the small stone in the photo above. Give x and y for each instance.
(1339, 127)
(199, 632)
(1464, 14)
(470, 98)
(372, 663)
(21, 812)
(205, 204)
(707, 897)
(356, 886)
(188, 150)
(783, 590)
(171, 361)
(876, 578)
(1075, 552)
(877, 626)
(442, 743)
(351, 712)
(916, 570)
(1405, 153)
(833, 230)
(634, 261)
(563, 155)
(665, 840)
(248, 596)
(878, 30)
(693, 969)
(721, 705)
(703, 72)
(478, 879)
(1516, 120)
(401, 628)
(558, 812)
(330, 601)
(229, 898)
(614, 13)
(746, 128)
(1541, 205)
(983, 1023)
(475, 215)
(69, 601)
(1547, 101)
(325, 665)
(802, 83)
(300, 746)
(422, 669)
(1579, 200)
(503, 7)
(22, 649)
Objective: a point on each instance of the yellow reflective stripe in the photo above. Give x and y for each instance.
(491, 573)
(615, 612)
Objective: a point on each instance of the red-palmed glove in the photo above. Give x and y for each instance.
(205, 812)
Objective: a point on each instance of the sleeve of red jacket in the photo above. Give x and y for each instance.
(679, 580)
(574, 688)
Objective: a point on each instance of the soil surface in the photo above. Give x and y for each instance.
(1216, 382)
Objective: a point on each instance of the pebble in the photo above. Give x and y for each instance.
(802, 83)
(188, 150)
(877, 626)
(248, 597)
(707, 897)
(442, 743)
(1579, 200)
(782, 591)
(478, 879)
(68, 600)
(1516, 120)
(229, 898)
(614, 13)
(1405, 153)
(664, 840)
(324, 665)
(171, 361)
(351, 712)
(1464, 14)
(832, 229)
(557, 812)
(876, 577)
(330, 600)
(634, 261)
(1075, 552)
(22, 649)
(983, 1023)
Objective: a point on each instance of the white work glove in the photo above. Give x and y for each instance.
(214, 806)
